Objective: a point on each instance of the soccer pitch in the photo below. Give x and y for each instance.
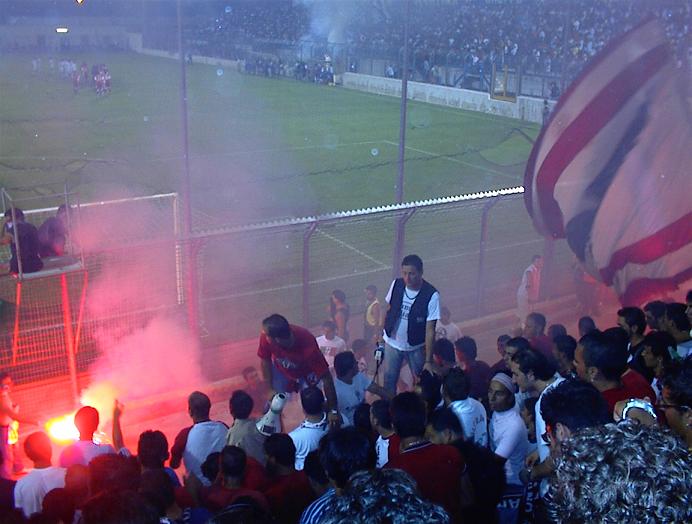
(262, 149)
(290, 148)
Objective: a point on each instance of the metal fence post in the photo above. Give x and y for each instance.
(306, 272)
(481, 256)
(399, 241)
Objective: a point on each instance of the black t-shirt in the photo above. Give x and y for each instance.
(28, 247)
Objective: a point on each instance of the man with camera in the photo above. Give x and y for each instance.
(409, 324)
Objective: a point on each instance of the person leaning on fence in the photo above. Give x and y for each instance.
(26, 236)
(409, 324)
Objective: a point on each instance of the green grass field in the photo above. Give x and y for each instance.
(291, 148)
(265, 148)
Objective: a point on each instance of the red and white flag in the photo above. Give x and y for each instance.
(612, 170)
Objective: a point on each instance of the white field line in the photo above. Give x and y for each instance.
(205, 155)
(359, 273)
(455, 160)
(353, 248)
(271, 150)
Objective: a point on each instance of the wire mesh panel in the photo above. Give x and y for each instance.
(129, 275)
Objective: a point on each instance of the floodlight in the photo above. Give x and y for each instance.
(62, 30)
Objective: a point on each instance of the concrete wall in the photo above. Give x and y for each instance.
(525, 108)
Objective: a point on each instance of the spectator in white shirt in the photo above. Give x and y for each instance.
(193, 445)
(306, 437)
(508, 437)
(470, 412)
(30, 489)
(445, 328)
(330, 343)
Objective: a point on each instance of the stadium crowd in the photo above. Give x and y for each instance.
(541, 37)
(594, 427)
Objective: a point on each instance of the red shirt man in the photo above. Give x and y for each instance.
(290, 358)
(634, 385)
(437, 469)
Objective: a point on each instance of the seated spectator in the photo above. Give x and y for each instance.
(556, 330)
(477, 371)
(387, 444)
(471, 413)
(585, 326)
(152, 453)
(158, 489)
(289, 491)
(676, 323)
(563, 352)
(85, 449)
(257, 389)
(501, 365)
(485, 474)
(436, 468)
(342, 453)
(27, 236)
(631, 471)
(444, 356)
(330, 343)
(244, 510)
(657, 350)
(306, 437)
(119, 507)
(351, 385)
(569, 407)
(194, 443)
(31, 488)
(602, 362)
(445, 328)
(52, 234)
(232, 464)
(387, 495)
(243, 432)
(677, 398)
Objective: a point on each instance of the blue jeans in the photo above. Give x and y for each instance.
(393, 359)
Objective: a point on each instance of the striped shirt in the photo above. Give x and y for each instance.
(313, 513)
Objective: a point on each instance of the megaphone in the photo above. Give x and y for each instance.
(270, 422)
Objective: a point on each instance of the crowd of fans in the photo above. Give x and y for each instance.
(543, 37)
(591, 428)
